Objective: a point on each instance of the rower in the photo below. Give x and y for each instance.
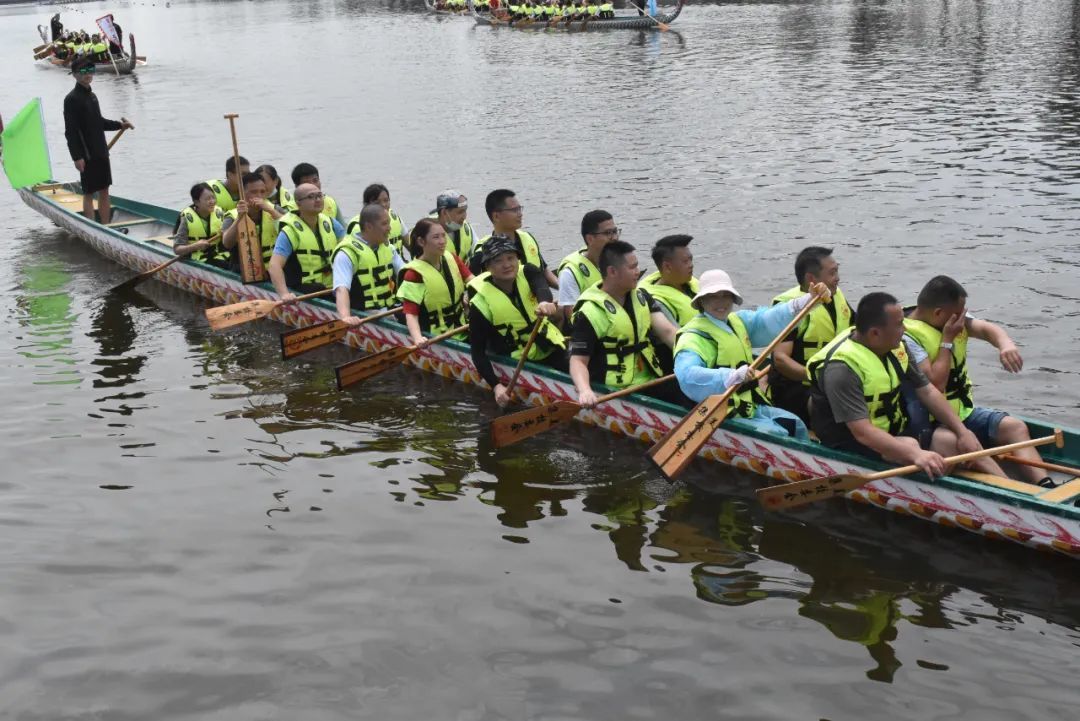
(197, 223)
(673, 284)
(262, 212)
(275, 189)
(936, 336)
(399, 232)
(612, 325)
(505, 213)
(228, 192)
(98, 49)
(432, 291)
(506, 300)
(578, 271)
(302, 250)
(306, 173)
(452, 211)
(855, 401)
(365, 266)
(713, 351)
(789, 386)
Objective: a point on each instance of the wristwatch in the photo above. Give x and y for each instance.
(947, 346)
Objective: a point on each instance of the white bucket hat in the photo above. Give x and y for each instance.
(714, 281)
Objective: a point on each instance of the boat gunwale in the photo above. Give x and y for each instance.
(637, 22)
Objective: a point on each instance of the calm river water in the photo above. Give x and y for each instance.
(193, 529)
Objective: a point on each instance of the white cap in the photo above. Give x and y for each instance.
(714, 281)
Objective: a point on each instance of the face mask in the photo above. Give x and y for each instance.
(453, 226)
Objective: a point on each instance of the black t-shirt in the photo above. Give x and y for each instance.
(485, 339)
(84, 128)
(585, 342)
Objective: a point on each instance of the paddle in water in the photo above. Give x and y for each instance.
(515, 427)
(663, 27)
(227, 316)
(681, 444)
(134, 281)
(361, 369)
(798, 493)
(302, 340)
(248, 247)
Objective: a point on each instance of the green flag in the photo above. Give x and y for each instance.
(26, 154)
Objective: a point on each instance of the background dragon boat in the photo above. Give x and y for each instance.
(462, 11)
(125, 65)
(994, 507)
(619, 22)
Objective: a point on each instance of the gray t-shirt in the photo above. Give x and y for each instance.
(845, 391)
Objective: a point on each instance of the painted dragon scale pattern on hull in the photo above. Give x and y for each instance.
(954, 502)
(619, 22)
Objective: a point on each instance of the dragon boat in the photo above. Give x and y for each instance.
(460, 12)
(994, 507)
(619, 22)
(125, 65)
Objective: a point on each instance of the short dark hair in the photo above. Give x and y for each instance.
(940, 291)
(369, 213)
(496, 199)
(230, 164)
(420, 230)
(252, 177)
(372, 193)
(809, 261)
(302, 170)
(197, 191)
(590, 222)
(871, 311)
(665, 248)
(614, 256)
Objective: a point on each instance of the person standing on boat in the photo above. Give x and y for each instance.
(227, 192)
(673, 284)
(936, 336)
(713, 351)
(505, 213)
(275, 189)
(197, 224)
(301, 258)
(262, 212)
(612, 330)
(306, 173)
(789, 386)
(84, 128)
(56, 27)
(452, 212)
(578, 271)
(855, 394)
(378, 193)
(365, 266)
(506, 300)
(432, 291)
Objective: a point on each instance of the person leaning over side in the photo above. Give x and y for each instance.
(855, 394)
(506, 300)
(714, 351)
(505, 212)
(84, 129)
(264, 214)
(578, 271)
(936, 335)
(197, 224)
(788, 384)
(432, 291)
(365, 266)
(302, 250)
(612, 327)
(673, 284)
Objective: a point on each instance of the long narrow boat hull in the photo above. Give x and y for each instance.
(1001, 509)
(125, 65)
(619, 22)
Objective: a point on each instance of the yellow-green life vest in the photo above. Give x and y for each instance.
(629, 357)
(676, 300)
(268, 230)
(439, 295)
(225, 201)
(373, 283)
(283, 199)
(512, 322)
(958, 386)
(720, 349)
(824, 323)
(100, 48)
(585, 271)
(528, 244)
(200, 229)
(311, 250)
(397, 231)
(880, 377)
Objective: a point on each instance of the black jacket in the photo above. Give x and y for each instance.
(84, 127)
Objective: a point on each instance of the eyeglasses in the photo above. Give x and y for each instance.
(517, 210)
(610, 232)
(313, 196)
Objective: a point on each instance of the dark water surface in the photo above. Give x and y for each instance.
(192, 529)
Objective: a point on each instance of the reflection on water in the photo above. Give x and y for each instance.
(45, 312)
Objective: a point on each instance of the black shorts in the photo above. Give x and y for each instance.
(96, 175)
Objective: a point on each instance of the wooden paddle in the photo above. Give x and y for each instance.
(674, 451)
(300, 341)
(515, 427)
(355, 371)
(1041, 464)
(43, 53)
(524, 355)
(115, 138)
(663, 27)
(226, 316)
(798, 493)
(135, 280)
(248, 247)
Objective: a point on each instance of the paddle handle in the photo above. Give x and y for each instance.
(1057, 438)
(524, 354)
(308, 296)
(115, 138)
(787, 330)
(442, 336)
(231, 117)
(1041, 464)
(634, 389)
(377, 316)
